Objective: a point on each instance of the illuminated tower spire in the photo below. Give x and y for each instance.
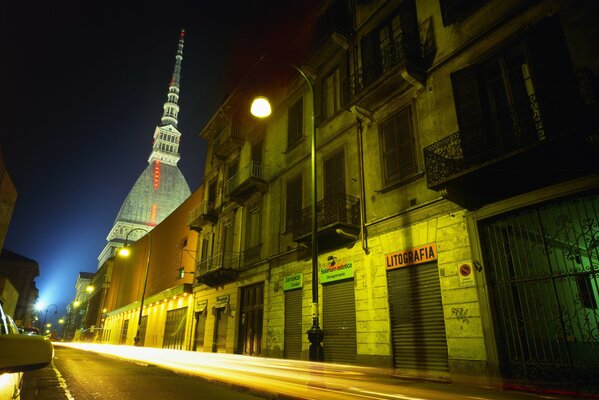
(161, 187)
(166, 136)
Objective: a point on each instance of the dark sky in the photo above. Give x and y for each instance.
(84, 87)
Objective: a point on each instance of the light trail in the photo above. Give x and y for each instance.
(294, 378)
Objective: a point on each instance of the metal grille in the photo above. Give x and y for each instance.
(338, 208)
(417, 323)
(123, 338)
(174, 329)
(250, 327)
(339, 322)
(543, 266)
(293, 324)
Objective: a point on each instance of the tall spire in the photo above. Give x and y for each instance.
(166, 136)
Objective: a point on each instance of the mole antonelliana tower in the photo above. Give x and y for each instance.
(161, 187)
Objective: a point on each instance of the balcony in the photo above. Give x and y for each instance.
(512, 153)
(398, 67)
(202, 215)
(228, 141)
(250, 179)
(219, 269)
(337, 220)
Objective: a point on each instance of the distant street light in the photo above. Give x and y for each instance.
(261, 108)
(124, 252)
(40, 307)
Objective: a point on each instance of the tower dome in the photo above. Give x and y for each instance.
(161, 187)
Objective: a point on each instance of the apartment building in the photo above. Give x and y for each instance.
(456, 207)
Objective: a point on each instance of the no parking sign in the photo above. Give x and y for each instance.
(465, 274)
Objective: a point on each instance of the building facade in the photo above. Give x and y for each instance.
(457, 196)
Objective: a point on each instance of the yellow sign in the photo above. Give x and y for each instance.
(416, 255)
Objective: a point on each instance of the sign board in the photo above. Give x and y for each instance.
(466, 274)
(222, 301)
(336, 272)
(294, 281)
(200, 305)
(413, 256)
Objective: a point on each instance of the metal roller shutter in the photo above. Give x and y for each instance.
(339, 322)
(417, 323)
(293, 324)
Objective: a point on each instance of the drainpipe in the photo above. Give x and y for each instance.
(362, 114)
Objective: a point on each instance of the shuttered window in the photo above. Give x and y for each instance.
(397, 141)
(334, 175)
(293, 206)
(295, 123)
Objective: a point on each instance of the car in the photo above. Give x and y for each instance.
(19, 353)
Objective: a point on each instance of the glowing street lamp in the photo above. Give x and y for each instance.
(261, 108)
(124, 252)
(40, 307)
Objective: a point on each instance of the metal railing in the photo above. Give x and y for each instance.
(392, 56)
(205, 208)
(253, 170)
(231, 130)
(339, 208)
(511, 129)
(224, 260)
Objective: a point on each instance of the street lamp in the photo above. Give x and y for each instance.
(124, 252)
(41, 307)
(261, 108)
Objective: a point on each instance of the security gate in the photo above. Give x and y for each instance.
(417, 323)
(339, 322)
(543, 270)
(174, 329)
(293, 324)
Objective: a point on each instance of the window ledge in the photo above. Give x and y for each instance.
(295, 145)
(400, 183)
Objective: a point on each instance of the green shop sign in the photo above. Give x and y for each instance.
(336, 272)
(293, 281)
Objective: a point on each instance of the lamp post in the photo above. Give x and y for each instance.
(261, 109)
(124, 252)
(46, 314)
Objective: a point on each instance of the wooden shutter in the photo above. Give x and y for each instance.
(334, 179)
(553, 77)
(472, 110)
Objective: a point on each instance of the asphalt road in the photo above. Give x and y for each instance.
(82, 375)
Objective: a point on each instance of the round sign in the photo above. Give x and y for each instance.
(465, 270)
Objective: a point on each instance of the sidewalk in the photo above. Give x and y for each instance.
(43, 384)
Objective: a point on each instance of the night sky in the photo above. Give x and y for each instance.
(84, 87)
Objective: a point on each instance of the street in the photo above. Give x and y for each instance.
(89, 376)
(126, 372)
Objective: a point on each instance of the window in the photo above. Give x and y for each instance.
(334, 176)
(331, 94)
(397, 140)
(253, 238)
(522, 95)
(295, 123)
(293, 203)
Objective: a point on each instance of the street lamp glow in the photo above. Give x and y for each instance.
(39, 306)
(260, 107)
(76, 303)
(89, 289)
(124, 252)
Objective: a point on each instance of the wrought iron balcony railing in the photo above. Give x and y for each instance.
(337, 209)
(206, 209)
(225, 260)
(393, 56)
(254, 170)
(508, 131)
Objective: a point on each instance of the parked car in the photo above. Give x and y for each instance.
(19, 353)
